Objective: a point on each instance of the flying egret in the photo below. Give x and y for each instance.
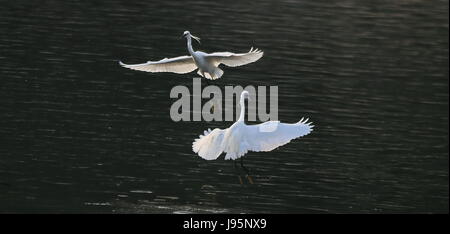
(240, 138)
(207, 64)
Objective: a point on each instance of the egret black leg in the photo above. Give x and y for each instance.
(204, 75)
(243, 167)
(246, 171)
(236, 168)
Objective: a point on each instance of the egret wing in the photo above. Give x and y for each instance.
(270, 135)
(234, 60)
(209, 145)
(180, 65)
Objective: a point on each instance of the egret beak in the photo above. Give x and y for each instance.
(196, 38)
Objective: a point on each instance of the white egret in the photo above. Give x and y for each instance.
(240, 138)
(207, 64)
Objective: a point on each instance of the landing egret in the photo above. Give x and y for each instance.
(240, 138)
(207, 64)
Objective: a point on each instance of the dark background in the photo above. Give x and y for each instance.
(78, 133)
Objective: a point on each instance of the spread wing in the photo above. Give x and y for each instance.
(180, 65)
(234, 60)
(273, 134)
(209, 146)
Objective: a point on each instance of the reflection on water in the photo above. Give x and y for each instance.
(81, 134)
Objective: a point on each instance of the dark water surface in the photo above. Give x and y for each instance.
(81, 134)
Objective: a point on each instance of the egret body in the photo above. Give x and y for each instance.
(240, 138)
(207, 64)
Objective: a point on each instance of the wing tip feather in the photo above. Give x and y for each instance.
(305, 122)
(255, 51)
(122, 64)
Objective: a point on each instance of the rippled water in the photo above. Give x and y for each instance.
(81, 134)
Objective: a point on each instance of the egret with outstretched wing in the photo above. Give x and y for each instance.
(207, 64)
(240, 138)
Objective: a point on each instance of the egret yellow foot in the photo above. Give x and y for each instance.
(250, 180)
(240, 180)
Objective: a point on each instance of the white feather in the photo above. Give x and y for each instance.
(207, 64)
(180, 65)
(234, 60)
(240, 138)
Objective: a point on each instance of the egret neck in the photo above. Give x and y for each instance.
(189, 45)
(242, 103)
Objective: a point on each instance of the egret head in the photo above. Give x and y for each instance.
(187, 34)
(245, 95)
